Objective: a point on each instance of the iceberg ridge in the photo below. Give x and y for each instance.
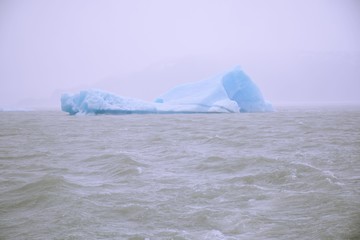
(230, 92)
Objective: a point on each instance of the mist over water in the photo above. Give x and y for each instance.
(292, 174)
(296, 51)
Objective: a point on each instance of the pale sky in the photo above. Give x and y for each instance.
(295, 50)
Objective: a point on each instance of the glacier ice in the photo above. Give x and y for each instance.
(232, 91)
(100, 102)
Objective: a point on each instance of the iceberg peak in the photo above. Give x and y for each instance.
(232, 91)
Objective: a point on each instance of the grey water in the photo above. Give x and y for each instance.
(289, 174)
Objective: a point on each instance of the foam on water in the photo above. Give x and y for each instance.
(242, 176)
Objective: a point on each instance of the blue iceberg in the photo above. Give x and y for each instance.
(229, 92)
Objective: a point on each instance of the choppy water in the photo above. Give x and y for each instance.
(292, 174)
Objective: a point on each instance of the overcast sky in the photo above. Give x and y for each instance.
(295, 50)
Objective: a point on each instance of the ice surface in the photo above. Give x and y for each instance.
(232, 91)
(101, 102)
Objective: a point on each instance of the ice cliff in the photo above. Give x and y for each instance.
(232, 91)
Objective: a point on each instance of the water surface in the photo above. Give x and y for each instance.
(291, 174)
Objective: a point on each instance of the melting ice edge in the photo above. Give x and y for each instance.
(230, 92)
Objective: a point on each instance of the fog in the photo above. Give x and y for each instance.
(301, 51)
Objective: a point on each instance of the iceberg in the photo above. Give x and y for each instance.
(230, 92)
